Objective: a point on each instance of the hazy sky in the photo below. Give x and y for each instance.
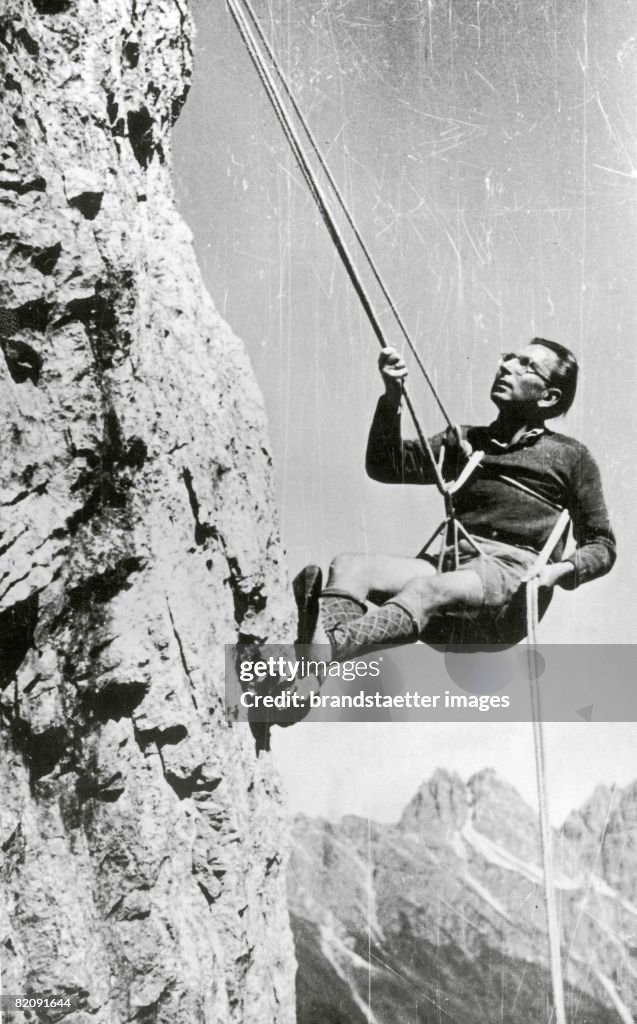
(487, 149)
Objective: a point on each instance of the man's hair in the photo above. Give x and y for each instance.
(564, 376)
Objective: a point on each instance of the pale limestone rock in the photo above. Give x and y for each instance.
(143, 840)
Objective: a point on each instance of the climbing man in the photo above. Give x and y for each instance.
(509, 505)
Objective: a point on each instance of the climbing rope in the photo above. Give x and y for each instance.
(321, 201)
(344, 207)
(550, 902)
(297, 148)
(446, 488)
(546, 841)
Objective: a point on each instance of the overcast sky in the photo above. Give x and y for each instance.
(488, 153)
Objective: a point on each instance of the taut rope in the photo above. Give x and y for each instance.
(552, 921)
(345, 208)
(321, 201)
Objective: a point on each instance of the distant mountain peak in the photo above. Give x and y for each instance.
(442, 800)
(487, 783)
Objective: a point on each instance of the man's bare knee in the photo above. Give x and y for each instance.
(347, 562)
(361, 574)
(349, 572)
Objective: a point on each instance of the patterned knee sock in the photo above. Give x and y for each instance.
(339, 608)
(385, 625)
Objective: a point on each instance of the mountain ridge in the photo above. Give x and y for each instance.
(419, 920)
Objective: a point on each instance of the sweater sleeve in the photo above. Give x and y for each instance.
(390, 459)
(596, 547)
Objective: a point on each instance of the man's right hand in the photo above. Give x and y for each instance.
(393, 371)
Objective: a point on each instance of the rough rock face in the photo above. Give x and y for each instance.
(441, 917)
(143, 846)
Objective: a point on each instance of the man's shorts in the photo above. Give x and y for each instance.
(502, 568)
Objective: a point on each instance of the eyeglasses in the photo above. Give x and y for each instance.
(522, 365)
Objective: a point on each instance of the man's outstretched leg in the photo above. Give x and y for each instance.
(413, 591)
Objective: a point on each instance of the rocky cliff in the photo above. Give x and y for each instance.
(143, 846)
(441, 917)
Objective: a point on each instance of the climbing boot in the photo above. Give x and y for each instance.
(307, 587)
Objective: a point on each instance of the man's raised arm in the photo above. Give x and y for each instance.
(389, 459)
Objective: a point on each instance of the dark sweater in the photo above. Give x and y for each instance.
(558, 469)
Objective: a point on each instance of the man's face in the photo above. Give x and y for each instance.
(524, 377)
